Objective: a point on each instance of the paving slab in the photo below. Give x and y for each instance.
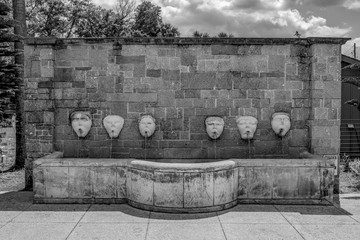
(156, 217)
(235, 231)
(328, 232)
(251, 214)
(115, 214)
(188, 231)
(38, 231)
(309, 214)
(52, 213)
(123, 231)
(7, 216)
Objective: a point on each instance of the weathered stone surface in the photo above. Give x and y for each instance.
(142, 187)
(169, 189)
(224, 182)
(80, 182)
(56, 182)
(260, 182)
(198, 189)
(285, 181)
(104, 182)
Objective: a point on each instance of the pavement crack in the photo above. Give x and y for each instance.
(289, 222)
(78, 222)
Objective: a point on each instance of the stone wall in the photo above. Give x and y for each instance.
(180, 82)
(7, 145)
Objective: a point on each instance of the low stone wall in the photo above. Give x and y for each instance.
(179, 187)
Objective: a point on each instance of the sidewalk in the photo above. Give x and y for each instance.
(20, 219)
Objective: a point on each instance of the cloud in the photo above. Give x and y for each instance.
(246, 18)
(352, 4)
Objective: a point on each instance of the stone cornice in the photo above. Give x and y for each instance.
(188, 41)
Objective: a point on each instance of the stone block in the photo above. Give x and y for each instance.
(39, 182)
(275, 83)
(285, 182)
(282, 95)
(122, 182)
(206, 80)
(171, 75)
(269, 147)
(232, 152)
(142, 187)
(98, 56)
(130, 59)
(185, 153)
(224, 187)
(260, 181)
(136, 107)
(153, 73)
(224, 49)
(131, 97)
(249, 50)
(276, 63)
(308, 182)
(242, 182)
(104, 182)
(249, 83)
(106, 84)
(188, 59)
(331, 89)
(79, 52)
(166, 98)
(139, 70)
(221, 111)
(56, 182)
(299, 138)
(169, 189)
(198, 189)
(34, 117)
(64, 74)
(80, 184)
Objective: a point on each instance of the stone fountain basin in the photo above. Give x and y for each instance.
(174, 186)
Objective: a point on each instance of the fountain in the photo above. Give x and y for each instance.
(195, 117)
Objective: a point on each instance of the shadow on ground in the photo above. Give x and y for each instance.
(22, 201)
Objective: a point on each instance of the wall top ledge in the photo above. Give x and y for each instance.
(186, 41)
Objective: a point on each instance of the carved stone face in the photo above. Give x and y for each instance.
(214, 127)
(147, 126)
(113, 125)
(247, 126)
(280, 123)
(81, 123)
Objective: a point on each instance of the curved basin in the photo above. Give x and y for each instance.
(183, 187)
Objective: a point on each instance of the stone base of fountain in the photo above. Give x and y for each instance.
(183, 187)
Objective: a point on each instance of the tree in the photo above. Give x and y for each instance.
(99, 22)
(225, 35)
(55, 18)
(148, 20)
(198, 34)
(8, 70)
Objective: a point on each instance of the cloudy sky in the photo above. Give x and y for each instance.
(262, 18)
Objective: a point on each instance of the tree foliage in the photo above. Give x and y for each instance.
(148, 20)
(8, 70)
(198, 34)
(82, 18)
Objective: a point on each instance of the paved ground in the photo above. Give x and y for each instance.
(20, 219)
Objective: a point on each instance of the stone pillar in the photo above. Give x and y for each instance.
(325, 95)
(38, 104)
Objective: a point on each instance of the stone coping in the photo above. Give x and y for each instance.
(55, 160)
(188, 41)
